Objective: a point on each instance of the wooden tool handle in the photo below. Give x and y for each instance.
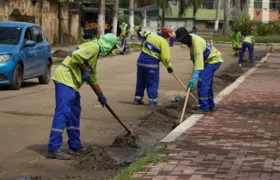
(110, 109)
(184, 87)
(185, 105)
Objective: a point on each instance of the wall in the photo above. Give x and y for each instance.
(45, 13)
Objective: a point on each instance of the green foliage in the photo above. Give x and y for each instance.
(125, 18)
(276, 26)
(265, 29)
(243, 24)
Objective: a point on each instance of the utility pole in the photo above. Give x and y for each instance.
(217, 15)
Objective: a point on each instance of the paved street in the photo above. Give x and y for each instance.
(239, 141)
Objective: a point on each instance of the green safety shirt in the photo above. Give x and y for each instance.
(85, 52)
(236, 37)
(203, 52)
(249, 39)
(124, 32)
(156, 47)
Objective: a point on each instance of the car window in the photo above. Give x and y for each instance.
(37, 35)
(10, 35)
(27, 35)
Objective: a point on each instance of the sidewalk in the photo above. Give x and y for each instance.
(240, 141)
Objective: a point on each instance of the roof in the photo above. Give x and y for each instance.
(152, 7)
(16, 24)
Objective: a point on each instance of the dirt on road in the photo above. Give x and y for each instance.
(108, 150)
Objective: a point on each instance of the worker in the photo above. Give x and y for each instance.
(76, 68)
(194, 30)
(171, 37)
(207, 59)
(123, 37)
(236, 35)
(248, 43)
(155, 49)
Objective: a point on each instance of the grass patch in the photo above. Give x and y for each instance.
(150, 157)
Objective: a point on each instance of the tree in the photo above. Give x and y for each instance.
(131, 15)
(184, 4)
(115, 18)
(237, 3)
(101, 18)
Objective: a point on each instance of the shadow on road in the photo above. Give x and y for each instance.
(24, 85)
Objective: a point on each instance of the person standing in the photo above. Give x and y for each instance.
(155, 49)
(123, 37)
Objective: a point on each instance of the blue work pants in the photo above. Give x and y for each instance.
(204, 88)
(147, 78)
(249, 46)
(67, 115)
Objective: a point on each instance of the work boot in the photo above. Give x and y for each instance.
(58, 154)
(138, 103)
(199, 111)
(212, 110)
(77, 151)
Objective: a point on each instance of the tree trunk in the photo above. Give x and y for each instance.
(163, 7)
(101, 18)
(218, 15)
(115, 18)
(226, 28)
(131, 15)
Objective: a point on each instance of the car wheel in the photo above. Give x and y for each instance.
(45, 78)
(18, 76)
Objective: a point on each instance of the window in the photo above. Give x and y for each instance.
(37, 34)
(27, 35)
(258, 4)
(273, 4)
(10, 35)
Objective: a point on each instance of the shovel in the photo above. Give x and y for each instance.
(184, 87)
(111, 111)
(185, 105)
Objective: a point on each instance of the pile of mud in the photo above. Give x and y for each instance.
(127, 140)
(95, 158)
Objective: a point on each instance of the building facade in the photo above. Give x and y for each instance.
(264, 11)
(59, 19)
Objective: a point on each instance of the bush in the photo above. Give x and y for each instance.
(244, 24)
(125, 18)
(276, 27)
(265, 29)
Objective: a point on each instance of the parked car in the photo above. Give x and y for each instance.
(24, 54)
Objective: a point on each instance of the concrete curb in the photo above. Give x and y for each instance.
(189, 122)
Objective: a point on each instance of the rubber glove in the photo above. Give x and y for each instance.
(86, 75)
(170, 70)
(190, 85)
(103, 100)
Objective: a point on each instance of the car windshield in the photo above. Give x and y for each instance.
(10, 35)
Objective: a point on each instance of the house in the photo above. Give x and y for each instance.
(59, 19)
(264, 11)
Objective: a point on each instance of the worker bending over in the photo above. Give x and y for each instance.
(76, 68)
(248, 43)
(207, 59)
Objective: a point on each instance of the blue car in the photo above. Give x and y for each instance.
(24, 54)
